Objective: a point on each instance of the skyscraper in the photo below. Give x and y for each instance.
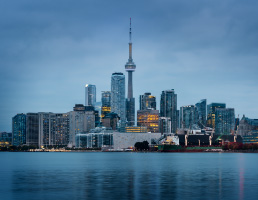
(149, 119)
(224, 121)
(53, 129)
(211, 115)
(168, 107)
(106, 103)
(90, 95)
(187, 116)
(147, 101)
(130, 101)
(118, 95)
(19, 130)
(201, 112)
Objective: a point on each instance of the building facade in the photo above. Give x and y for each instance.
(147, 101)
(118, 96)
(201, 112)
(80, 121)
(149, 119)
(168, 108)
(106, 103)
(187, 116)
(110, 121)
(247, 126)
(90, 95)
(128, 140)
(165, 125)
(19, 129)
(224, 121)
(211, 115)
(53, 129)
(32, 129)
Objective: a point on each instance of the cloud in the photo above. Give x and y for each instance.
(50, 50)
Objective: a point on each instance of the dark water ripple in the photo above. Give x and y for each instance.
(128, 175)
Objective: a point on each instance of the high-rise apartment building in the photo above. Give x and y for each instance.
(80, 121)
(44, 129)
(224, 121)
(118, 96)
(53, 129)
(201, 112)
(90, 95)
(147, 101)
(19, 129)
(32, 129)
(211, 114)
(168, 108)
(130, 101)
(60, 128)
(187, 116)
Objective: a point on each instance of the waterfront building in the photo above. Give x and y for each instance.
(147, 101)
(44, 129)
(94, 140)
(59, 129)
(118, 96)
(211, 115)
(168, 108)
(130, 101)
(19, 129)
(188, 116)
(165, 125)
(149, 119)
(90, 95)
(106, 103)
(201, 112)
(80, 121)
(100, 137)
(32, 129)
(5, 139)
(224, 121)
(128, 140)
(53, 129)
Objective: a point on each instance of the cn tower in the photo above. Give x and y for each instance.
(130, 68)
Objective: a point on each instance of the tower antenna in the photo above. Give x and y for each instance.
(130, 32)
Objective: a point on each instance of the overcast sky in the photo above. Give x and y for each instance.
(50, 49)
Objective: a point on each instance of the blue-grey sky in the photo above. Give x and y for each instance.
(50, 49)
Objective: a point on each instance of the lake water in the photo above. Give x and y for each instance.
(99, 175)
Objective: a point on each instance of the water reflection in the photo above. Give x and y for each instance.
(176, 177)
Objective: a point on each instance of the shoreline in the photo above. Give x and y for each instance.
(92, 151)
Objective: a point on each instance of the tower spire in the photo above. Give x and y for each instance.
(130, 43)
(130, 32)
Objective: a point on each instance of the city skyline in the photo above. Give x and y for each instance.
(203, 50)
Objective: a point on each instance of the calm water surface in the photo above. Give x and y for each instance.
(73, 175)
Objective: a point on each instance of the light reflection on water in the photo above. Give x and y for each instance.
(128, 175)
